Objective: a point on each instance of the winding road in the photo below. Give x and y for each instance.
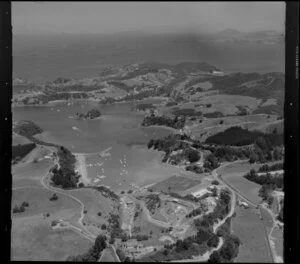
(48, 187)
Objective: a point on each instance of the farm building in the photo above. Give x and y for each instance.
(200, 192)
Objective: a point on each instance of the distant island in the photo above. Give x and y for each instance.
(91, 114)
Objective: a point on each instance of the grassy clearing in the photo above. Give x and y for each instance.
(141, 226)
(233, 175)
(108, 255)
(33, 239)
(94, 203)
(19, 140)
(39, 203)
(248, 227)
(175, 184)
(31, 170)
(211, 126)
(277, 234)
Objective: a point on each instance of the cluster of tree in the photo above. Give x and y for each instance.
(188, 197)
(242, 110)
(108, 100)
(266, 179)
(93, 253)
(141, 95)
(221, 210)
(237, 136)
(22, 150)
(115, 228)
(91, 114)
(106, 192)
(230, 247)
(121, 86)
(27, 129)
(177, 142)
(54, 197)
(280, 214)
(200, 210)
(61, 80)
(20, 208)
(211, 162)
(268, 168)
(144, 107)
(194, 168)
(152, 202)
(53, 96)
(65, 176)
(186, 112)
(215, 182)
(122, 256)
(254, 153)
(192, 155)
(171, 103)
(72, 88)
(175, 122)
(216, 114)
(204, 238)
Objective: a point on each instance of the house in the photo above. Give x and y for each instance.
(200, 192)
(217, 73)
(243, 204)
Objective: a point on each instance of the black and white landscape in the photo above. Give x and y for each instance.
(148, 131)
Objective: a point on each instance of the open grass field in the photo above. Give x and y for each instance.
(226, 104)
(277, 235)
(176, 184)
(19, 140)
(211, 126)
(94, 203)
(30, 173)
(141, 226)
(269, 127)
(249, 228)
(233, 175)
(39, 203)
(33, 239)
(32, 235)
(108, 255)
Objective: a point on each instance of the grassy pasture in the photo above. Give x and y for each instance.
(108, 255)
(248, 227)
(94, 203)
(24, 173)
(211, 126)
(144, 228)
(233, 175)
(17, 139)
(176, 184)
(39, 203)
(278, 239)
(33, 239)
(269, 127)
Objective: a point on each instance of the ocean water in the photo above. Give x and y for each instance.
(118, 129)
(44, 58)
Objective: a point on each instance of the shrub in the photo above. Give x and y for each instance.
(193, 155)
(25, 204)
(215, 182)
(99, 214)
(103, 226)
(54, 197)
(213, 241)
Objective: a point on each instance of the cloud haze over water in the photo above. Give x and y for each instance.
(112, 17)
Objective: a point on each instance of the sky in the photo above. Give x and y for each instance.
(152, 17)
